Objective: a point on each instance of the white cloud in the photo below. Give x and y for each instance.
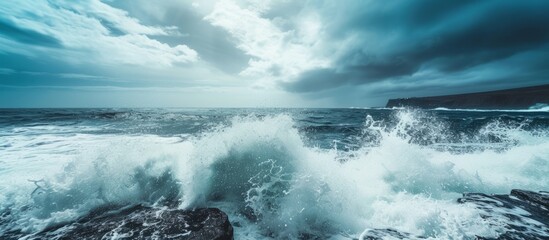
(92, 31)
(277, 55)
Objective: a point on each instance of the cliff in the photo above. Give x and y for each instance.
(517, 98)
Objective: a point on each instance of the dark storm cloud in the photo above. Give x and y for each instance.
(429, 35)
(317, 80)
(349, 53)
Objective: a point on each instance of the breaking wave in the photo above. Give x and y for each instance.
(272, 183)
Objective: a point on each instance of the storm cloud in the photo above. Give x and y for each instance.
(320, 52)
(395, 41)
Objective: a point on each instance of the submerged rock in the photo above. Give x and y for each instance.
(141, 222)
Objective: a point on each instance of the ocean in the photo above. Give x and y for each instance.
(277, 173)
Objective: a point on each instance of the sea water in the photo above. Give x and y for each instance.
(277, 173)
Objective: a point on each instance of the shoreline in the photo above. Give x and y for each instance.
(511, 99)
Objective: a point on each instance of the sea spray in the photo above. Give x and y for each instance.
(403, 172)
(119, 171)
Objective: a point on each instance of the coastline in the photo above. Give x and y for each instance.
(516, 98)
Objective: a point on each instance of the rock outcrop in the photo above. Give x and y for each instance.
(521, 214)
(141, 222)
(526, 213)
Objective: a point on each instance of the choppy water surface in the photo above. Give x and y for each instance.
(277, 173)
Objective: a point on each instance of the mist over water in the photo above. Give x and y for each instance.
(277, 173)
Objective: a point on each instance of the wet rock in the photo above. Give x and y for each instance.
(375, 234)
(141, 222)
(524, 213)
(541, 198)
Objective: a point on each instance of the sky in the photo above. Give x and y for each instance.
(265, 53)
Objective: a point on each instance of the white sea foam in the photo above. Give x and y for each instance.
(535, 108)
(259, 171)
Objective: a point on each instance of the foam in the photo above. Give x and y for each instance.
(260, 171)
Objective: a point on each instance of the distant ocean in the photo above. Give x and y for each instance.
(277, 173)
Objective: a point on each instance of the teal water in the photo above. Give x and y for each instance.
(278, 173)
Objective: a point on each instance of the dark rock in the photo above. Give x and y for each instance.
(141, 222)
(524, 215)
(518, 98)
(525, 212)
(375, 234)
(541, 198)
